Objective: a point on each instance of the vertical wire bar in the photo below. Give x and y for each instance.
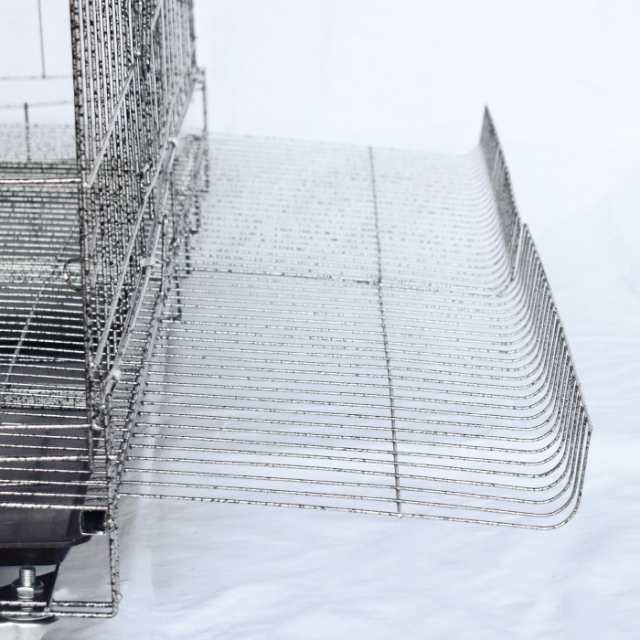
(385, 337)
(43, 68)
(27, 132)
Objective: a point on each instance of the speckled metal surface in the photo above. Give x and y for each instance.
(367, 330)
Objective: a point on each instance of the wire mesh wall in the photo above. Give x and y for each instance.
(132, 93)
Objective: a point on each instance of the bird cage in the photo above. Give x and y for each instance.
(253, 321)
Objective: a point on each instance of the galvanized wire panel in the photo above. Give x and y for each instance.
(357, 329)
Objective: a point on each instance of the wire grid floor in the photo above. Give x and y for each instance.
(346, 334)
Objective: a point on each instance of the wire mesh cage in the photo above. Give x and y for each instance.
(85, 241)
(379, 340)
(261, 322)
